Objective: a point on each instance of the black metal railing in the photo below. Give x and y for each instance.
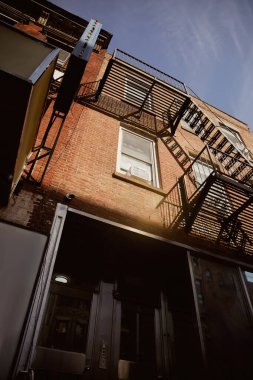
(156, 73)
(88, 90)
(194, 178)
(232, 165)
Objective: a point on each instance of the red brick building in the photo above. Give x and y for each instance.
(127, 238)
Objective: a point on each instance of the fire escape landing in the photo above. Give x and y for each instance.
(136, 92)
(216, 208)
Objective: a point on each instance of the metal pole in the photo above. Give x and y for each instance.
(197, 313)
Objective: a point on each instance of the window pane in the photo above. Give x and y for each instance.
(249, 276)
(137, 147)
(66, 320)
(137, 92)
(135, 167)
(63, 57)
(234, 137)
(201, 171)
(217, 200)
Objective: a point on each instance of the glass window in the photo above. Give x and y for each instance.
(137, 157)
(218, 199)
(235, 138)
(136, 92)
(63, 58)
(186, 125)
(201, 171)
(66, 320)
(249, 276)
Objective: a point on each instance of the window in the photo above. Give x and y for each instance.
(220, 199)
(58, 75)
(235, 138)
(201, 171)
(249, 276)
(61, 65)
(136, 157)
(63, 58)
(186, 126)
(136, 92)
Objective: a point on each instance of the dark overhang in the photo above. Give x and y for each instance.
(26, 69)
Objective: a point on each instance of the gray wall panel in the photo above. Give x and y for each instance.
(20, 257)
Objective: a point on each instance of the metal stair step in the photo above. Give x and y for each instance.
(232, 161)
(239, 169)
(214, 138)
(247, 176)
(191, 113)
(229, 149)
(196, 119)
(202, 126)
(207, 132)
(179, 154)
(185, 160)
(222, 143)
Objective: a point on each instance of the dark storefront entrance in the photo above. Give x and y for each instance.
(113, 303)
(116, 301)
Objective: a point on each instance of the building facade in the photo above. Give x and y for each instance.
(127, 239)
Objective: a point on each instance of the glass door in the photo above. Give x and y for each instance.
(137, 342)
(61, 348)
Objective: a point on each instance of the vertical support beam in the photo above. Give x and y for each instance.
(184, 198)
(102, 363)
(115, 348)
(197, 313)
(179, 115)
(51, 151)
(202, 196)
(55, 117)
(211, 160)
(167, 340)
(36, 313)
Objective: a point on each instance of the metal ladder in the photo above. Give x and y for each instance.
(232, 159)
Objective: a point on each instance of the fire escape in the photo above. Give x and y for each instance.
(217, 207)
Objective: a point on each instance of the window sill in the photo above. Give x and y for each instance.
(138, 182)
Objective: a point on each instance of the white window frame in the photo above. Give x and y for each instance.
(201, 171)
(133, 89)
(62, 62)
(185, 125)
(235, 138)
(131, 173)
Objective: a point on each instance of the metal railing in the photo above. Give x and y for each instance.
(194, 178)
(156, 73)
(87, 90)
(231, 165)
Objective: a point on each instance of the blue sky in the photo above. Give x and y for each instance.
(208, 44)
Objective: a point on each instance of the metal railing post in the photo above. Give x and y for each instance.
(211, 160)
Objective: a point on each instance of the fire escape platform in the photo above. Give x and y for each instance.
(217, 210)
(134, 91)
(223, 213)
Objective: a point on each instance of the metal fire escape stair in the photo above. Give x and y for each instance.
(218, 211)
(176, 150)
(235, 163)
